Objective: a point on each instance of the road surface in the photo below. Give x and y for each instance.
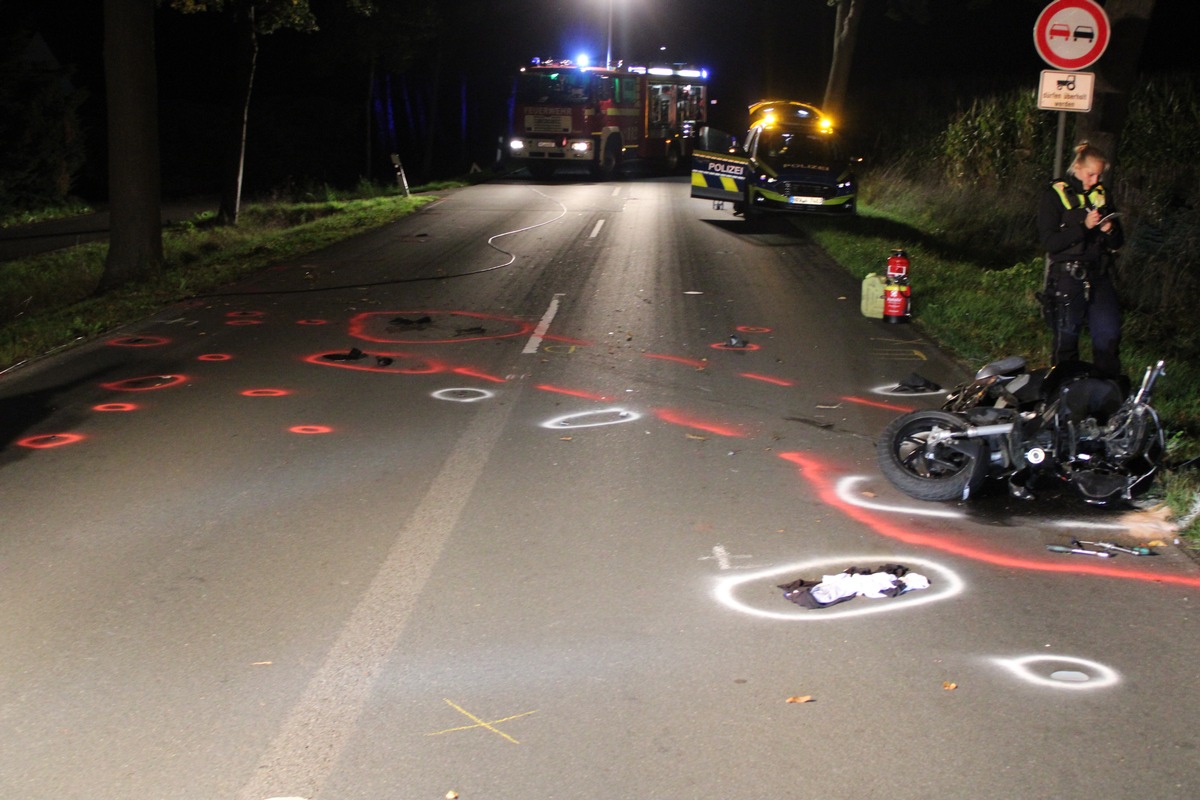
(484, 503)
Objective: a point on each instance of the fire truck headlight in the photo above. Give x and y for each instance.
(516, 144)
(581, 147)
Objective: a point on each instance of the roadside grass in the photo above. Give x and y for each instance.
(50, 301)
(982, 307)
(13, 217)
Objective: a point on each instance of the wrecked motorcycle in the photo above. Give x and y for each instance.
(1063, 423)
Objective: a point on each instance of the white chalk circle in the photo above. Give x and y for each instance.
(1050, 671)
(592, 419)
(847, 493)
(464, 395)
(944, 583)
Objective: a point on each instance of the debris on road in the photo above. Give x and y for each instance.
(916, 383)
(1133, 551)
(807, 698)
(353, 355)
(889, 580)
(1079, 551)
(405, 322)
(949, 686)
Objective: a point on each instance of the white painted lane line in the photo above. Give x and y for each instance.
(616, 191)
(305, 750)
(535, 341)
(596, 229)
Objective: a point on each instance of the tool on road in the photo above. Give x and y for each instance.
(1058, 548)
(1133, 551)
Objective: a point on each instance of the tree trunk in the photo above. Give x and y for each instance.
(1116, 73)
(231, 187)
(845, 35)
(134, 185)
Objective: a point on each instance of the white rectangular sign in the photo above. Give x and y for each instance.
(1066, 91)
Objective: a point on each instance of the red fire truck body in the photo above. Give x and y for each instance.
(570, 115)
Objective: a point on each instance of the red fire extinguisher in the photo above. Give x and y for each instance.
(897, 294)
(897, 266)
(897, 298)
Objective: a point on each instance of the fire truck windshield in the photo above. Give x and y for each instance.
(556, 87)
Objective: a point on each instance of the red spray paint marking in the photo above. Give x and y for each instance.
(545, 387)
(818, 475)
(361, 323)
(245, 314)
(310, 430)
(767, 379)
(878, 404)
(243, 322)
(116, 407)
(411, 365)
(724, 346)
(679, 418)
(474, 373)
(691, 362)
(48, 440)
(266, 393)
(752, 329)
(312, 322)
(145, 384)
(139, 341)
(215, 357)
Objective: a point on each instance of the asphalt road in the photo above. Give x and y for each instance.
(479, 503)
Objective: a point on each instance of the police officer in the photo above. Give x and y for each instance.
(1080, 243)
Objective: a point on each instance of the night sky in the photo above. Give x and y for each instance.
(308, 118)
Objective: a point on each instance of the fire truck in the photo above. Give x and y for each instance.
(566, 114)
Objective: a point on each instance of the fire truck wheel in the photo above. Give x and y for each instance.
(607, 168)
(673, 160)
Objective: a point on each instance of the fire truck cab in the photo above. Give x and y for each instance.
(565, 114)
(790, 161)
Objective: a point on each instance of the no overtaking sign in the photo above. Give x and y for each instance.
(1071, 34)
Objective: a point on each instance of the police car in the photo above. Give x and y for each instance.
(790, 161)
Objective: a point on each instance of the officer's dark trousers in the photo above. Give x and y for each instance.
(1099, 309)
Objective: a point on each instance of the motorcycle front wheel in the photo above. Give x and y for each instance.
(950, 470)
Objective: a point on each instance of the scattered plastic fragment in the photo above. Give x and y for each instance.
(805, 698)
(404, 322)
(696, 436)
(354, 355)
(916, 383)
(451, 795)
(949, 686)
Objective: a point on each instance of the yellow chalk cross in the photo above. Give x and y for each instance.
(480, 723)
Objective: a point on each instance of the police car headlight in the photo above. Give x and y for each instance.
(581, 147)
(516, 144)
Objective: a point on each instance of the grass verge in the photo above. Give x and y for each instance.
(51, 301)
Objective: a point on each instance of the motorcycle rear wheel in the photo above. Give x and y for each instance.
(951, 470)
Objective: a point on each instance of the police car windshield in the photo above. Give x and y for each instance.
(781, 147)
(563, 87)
